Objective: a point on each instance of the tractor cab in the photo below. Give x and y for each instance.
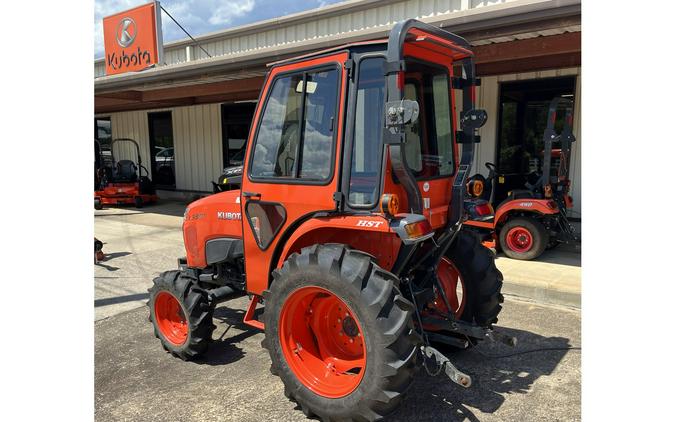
(347, 230)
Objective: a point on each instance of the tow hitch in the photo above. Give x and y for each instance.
(442, 363)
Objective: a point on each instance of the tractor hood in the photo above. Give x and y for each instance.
(213, 217)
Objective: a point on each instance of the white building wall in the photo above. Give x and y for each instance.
(134, 125)
(197, 142)
(488, 99)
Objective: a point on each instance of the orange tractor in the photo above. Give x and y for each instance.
(347, 230)
(531, 220)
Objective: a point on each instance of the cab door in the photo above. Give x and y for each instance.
(290, 169)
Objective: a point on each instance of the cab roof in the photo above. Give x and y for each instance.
(382, 41)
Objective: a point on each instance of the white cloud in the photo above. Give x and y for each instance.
(229, 10)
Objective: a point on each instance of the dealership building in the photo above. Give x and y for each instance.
(190, 113)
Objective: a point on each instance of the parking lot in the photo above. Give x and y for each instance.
(136, 380)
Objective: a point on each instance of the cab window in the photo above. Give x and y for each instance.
(367, 142)
(428, 148)
(296, 131)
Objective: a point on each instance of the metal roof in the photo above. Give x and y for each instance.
(249, 47)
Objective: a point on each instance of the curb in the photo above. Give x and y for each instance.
(542, 295)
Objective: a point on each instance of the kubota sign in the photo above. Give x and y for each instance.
(133, 39)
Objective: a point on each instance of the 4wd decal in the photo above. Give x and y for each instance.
(525, 204)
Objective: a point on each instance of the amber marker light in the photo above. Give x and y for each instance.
(389, 204)
(475, 188)
(418, 229)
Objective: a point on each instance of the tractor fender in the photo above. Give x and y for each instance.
(368, 233)
(538, 206)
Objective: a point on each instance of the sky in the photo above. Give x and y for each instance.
(201, 16)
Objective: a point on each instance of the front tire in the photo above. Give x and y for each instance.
(181, 314)
(523, 238)
(327, 295)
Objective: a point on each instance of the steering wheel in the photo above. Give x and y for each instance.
(491, 167)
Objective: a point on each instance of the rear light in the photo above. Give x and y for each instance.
(389, 204)
(475, 188)
(548, 192)
(418, 229)
(400, 80)
(484, 209)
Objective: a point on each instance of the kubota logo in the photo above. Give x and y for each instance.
(126, 32)
(222, 215)
(368, 223)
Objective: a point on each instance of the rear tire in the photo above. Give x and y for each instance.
(482, 280)
(97, 204)
(523, 238)
(473, 268)
(188, 335)
(381, 314)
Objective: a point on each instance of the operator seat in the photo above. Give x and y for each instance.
(126, 171)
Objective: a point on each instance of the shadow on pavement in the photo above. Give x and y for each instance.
(110, 256)
(224, 350)
(120, 299)
(494, 377)
(107, 267)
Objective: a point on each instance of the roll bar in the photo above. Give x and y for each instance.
(138, 149)
(566, 137)
(394, 134)
(138, 154)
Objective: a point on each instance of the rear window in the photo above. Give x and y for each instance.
(428, 149)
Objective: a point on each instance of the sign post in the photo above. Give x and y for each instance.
(133, 39)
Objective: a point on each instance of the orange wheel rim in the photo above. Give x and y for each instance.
(519, 239)
(170, 318)
(453, 286)
(322, 342)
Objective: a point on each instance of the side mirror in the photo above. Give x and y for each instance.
(401, 112)
(474, 119)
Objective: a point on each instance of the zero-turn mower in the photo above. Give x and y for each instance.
(534, 219)
(121, 181)
(347, 230)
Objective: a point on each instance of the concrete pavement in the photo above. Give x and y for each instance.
(139, 244)
(554, 277)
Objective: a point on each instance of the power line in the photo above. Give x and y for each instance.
(181, 27)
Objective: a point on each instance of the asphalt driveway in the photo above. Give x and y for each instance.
(135, 379)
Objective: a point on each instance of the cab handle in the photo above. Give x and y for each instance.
(251, 195)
